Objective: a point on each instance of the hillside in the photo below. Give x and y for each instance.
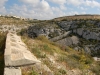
(58, 60)
(83, 16)
(65, 46)
(78, 34)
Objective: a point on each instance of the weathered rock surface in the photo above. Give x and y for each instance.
(61, 36)
(65, 24)
(69, 41)
(87, 34)
(12, 71)
(80, 30)
(11, 28)
(16, 52)
(48, 31)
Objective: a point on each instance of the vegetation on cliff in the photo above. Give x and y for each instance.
(60, 59)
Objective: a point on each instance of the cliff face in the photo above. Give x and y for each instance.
(76, 33)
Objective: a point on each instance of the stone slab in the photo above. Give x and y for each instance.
(12, 71)
(17, 53)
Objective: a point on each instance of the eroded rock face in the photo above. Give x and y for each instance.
(17, 53)
(71, 33)
(66, 25)
(81, 30)
(48, 31)
(61, 36)
(69, 41)
(87, 34)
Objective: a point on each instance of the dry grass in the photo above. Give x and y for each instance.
(42, 48)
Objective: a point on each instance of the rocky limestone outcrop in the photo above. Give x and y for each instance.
(65, 30)
(69, 41)
(80, 29)
(48, 31)
(61, 36)
(87, 34)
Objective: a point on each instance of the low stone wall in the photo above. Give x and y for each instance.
(16, 55)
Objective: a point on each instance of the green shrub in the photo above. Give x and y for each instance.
(76, 57)
(34, 73)
(62, 58)
(22, 32)
(88, 61)
(46, 47)
(62, 71)
(96, 70)
(43, 38)
(37, 52)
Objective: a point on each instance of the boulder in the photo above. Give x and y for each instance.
(79, 31)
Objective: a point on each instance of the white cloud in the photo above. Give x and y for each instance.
(2, 7)
(63, 7)
(92, 3)
(44, 5)
(41, 9)
(75, 2)
(2, 2)
(58, 1)
(30, 1)
(82, 8)
(2, 10)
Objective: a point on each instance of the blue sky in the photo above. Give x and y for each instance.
(48, 9)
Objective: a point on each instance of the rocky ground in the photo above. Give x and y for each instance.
(64, 47)
(76, 33)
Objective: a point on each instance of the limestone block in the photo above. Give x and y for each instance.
(17, 53)
(12, 71)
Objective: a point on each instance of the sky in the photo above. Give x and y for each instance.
(48, 9)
